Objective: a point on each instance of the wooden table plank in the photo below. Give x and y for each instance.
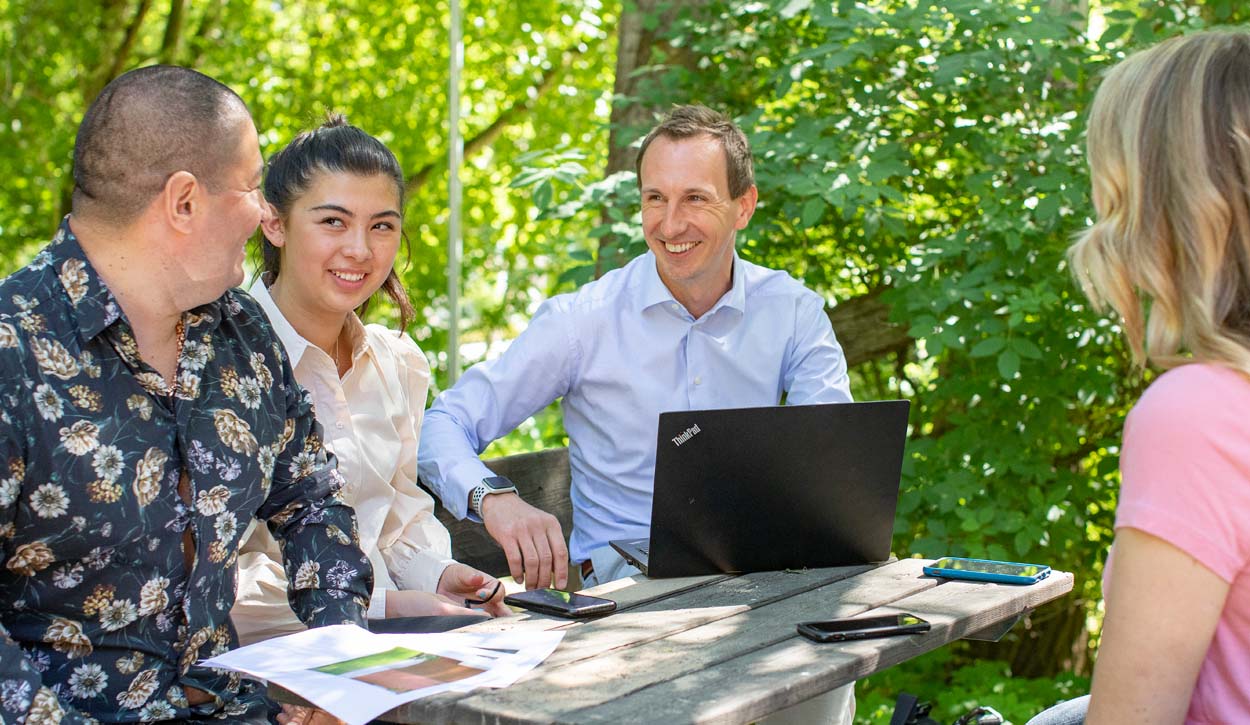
(627, 593)
(610, 658)
(795, 669)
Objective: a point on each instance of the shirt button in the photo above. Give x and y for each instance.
(339, 425)
(698, 380)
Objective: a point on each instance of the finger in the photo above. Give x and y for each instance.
(544, 560)
(495, 606)
(559, 555)
(473, 579)
(530, 554)
(516, 564)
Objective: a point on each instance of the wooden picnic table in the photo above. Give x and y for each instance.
(723, 649)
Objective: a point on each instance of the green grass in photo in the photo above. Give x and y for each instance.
(389, 657)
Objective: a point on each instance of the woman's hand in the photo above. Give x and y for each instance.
(300, 715)
(460, 583)
(411, 603)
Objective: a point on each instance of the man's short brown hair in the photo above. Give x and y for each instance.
(145, 126)
(692, 121)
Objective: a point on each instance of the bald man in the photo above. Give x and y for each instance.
(149, 413)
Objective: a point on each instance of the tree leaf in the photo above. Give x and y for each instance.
(813, 210)
(543, 194)
(988, 346)
(1009, 364)
(1026, 348)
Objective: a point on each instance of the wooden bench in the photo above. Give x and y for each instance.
(541, 478)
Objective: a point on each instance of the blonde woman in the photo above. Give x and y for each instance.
(1169, 155)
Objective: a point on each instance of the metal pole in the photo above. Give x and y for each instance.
(455, 157)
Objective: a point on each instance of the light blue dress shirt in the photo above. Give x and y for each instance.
(620, 351)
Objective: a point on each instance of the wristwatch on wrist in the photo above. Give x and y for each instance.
(490, 485)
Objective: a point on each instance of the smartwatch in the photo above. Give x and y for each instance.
(489, 486)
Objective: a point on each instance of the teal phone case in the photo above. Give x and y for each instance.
(978, 572)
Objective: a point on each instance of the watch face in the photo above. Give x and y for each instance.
(497, 482)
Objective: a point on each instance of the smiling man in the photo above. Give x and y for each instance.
(688, 325)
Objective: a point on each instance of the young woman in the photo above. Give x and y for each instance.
(1169, 155)
(334, 228)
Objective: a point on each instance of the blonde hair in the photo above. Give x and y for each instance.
(1169, 157)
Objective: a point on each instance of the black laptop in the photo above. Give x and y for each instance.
(783, 487)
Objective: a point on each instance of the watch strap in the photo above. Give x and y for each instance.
(479, 493)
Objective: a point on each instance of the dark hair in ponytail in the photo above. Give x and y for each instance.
(335, 147)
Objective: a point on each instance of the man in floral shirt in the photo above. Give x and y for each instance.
(147, 412)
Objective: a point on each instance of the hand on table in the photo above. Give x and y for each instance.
(301, 715)
(412, 603)
(461, 583)
(530, 538)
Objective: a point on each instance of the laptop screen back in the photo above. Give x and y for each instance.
(782, 487)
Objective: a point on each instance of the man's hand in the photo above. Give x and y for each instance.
(412, 603)
(530, 538)
(300, 715)
(460, 582)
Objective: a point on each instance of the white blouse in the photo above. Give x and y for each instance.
(372, 421)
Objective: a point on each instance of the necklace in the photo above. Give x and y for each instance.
(171, 385)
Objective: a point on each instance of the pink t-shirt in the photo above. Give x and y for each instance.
(1186, 480)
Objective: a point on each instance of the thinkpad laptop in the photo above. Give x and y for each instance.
(781, 487)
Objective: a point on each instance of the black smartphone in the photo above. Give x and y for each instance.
(561, 604)
(840, 630)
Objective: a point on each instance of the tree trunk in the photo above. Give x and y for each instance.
(863, 327)
(638, 45)
(173, 32)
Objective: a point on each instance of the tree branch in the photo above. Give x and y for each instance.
(173, 31)
(123, 51)
(200, 39)
(510, 115)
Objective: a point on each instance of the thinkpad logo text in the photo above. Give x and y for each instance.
(687, 435)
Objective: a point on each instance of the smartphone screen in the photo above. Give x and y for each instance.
(836, 630)
(554, 601)
(988, 567)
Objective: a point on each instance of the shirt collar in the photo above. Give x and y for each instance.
(95, 307)
(296, 344)
(653, 291)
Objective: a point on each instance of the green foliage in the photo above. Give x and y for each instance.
(533, 78)
(954, 685)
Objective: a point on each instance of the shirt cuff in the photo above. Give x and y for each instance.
(461, 481)
(418, 569)
(377, 604)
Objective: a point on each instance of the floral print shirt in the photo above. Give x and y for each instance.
(103, 613)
